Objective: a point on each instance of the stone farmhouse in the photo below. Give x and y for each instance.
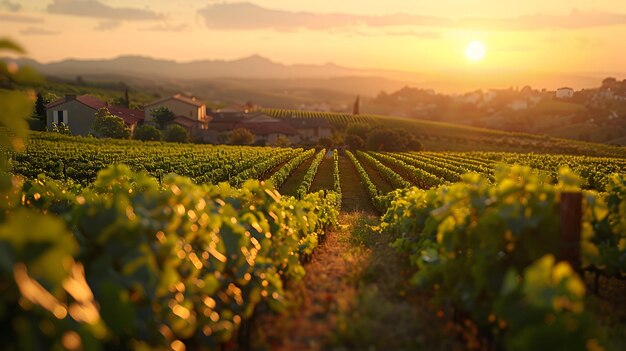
(190, 112)
(78, 113)
(205, 125)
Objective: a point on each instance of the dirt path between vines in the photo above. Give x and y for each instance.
(329, 287)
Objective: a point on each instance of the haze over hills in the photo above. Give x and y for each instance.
(367, 82)
(252, 67)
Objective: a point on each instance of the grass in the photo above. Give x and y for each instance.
(354, 195)
(400, 171)
(324, 178)
(556, 107)
(291, 185)
(375, 177)
(389, 314)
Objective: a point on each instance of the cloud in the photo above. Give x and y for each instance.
(96, 9)
(108, 25)
(6, 17)
(38, 31)
(247, 16)
(10, 6)
(416, 34)
(574, 20)
(167, 27)
(391, 33)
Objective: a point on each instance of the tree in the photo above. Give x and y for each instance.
(386, 139)
(282, 141)
(354, 142)
(408, 141)
(359, 129)
(40, 108)
(147, 133)
(162, 116)
(609, 82)
(357, 106)
(126, 97)
(108, 126)
(118, 101)
(176, 134)
(414, 145)
(240, 136)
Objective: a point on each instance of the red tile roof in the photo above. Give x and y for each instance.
(180, 97)
(130, 116)
(222, 126)
(86, 100)
(186, 122)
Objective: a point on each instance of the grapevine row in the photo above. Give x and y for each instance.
(192, 260)
(279, 177)
(455, 165)
(495, 261)
(259, 169)
(393, 178)
(418, 176)
(305, 186)
(372, 191)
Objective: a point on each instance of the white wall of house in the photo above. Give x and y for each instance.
(564, 93)
(314, 134)
(76, 115)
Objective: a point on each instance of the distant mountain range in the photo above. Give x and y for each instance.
(253, 67)
(274, 84)
(256, 67)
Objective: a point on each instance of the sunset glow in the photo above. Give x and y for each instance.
(475, 51)
(561, 37)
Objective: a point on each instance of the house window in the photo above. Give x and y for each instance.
(60, 117)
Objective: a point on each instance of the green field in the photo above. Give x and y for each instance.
(188, 240)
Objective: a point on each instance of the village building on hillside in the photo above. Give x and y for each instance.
(311, 130)
(564, 93)
(190, 112)
(79, 113)
(266, 129)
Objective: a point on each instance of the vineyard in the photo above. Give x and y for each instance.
(451, 137)
(195, 260)
(145, 245)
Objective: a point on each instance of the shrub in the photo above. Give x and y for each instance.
(240, 136)
(108, 126)
(354, 142)
(147, 133)
(162, 116)
(61, 128)
(176, 134)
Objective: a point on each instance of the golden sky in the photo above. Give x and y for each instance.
(564, 36)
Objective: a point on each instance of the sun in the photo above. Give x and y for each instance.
(475, 51)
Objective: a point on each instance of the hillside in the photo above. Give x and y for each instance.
(440, 136)
(436, 136)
